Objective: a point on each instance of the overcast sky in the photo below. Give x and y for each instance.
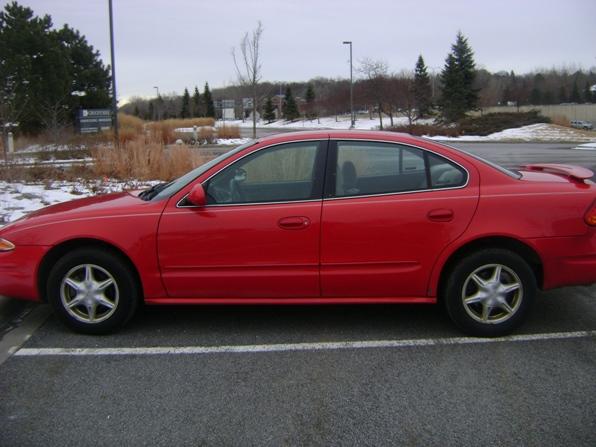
(182, 43)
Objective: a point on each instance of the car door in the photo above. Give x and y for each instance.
(258, 235)
(389, 210)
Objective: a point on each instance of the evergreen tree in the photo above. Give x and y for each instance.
(549, 98)
(310, 102)
(185, 112)
(151, 111)
(269, 112)
(289, 108)
(459, 94)
(588, 97)
(562, 94)
(575, 97)
(535, 96)
(422, 89)
(209, 106)
(41, 68)
(137, 112)
(196, 103)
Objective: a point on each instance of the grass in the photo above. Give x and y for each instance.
(145, 159)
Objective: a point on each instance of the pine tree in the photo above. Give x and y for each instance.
(151, 111)
(269, 112)
(185, 111)
(575, 97)
(459, 94)
(41, 67)
(196, 104)
(310, 102)
(289, 108)
(209, 106)
(562, 94)
(535, 96)
(588, 93)
(422, 89)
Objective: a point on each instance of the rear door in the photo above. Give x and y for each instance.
(389, 210)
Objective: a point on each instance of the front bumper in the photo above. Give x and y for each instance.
(18, 271)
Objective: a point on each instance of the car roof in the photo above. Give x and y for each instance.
(338, 134)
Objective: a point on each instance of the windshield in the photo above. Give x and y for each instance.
(176, 185)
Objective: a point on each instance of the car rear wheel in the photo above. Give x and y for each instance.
(92, 291)
(489, 293)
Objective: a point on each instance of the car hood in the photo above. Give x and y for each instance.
(107, 205)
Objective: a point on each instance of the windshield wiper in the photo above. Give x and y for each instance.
(149, 193)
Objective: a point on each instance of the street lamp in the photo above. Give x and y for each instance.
(157, 104)
(352, 118)
(114, 100)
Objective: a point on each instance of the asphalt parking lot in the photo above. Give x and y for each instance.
(351, 375)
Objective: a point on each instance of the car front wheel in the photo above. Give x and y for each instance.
(92, 291)
(489, 293)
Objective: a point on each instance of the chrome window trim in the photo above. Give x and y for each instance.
(324, 199)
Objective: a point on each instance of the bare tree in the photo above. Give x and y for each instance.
(249, 70)
(375, 83)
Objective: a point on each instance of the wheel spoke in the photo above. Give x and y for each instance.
(100, 299)
(506, 307)
(76, 301)
(507, 288)
(101, 286)
(91, 310)
(478, 280)
(476, 298)
(88, 273)
(486, 309)
(73, 284)
(497, 273)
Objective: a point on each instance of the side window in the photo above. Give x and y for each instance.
(278, 174)
(445, 174)
(374, 168)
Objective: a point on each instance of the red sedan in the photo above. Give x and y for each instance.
(315, 218)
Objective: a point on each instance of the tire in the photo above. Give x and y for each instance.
(489, 293)
(92, 291)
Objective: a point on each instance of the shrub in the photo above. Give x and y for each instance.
(228, 132)
(426, 129)
(496, 122)
(145, 159)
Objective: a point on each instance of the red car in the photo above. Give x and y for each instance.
(315, 218)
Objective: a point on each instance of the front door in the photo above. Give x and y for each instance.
(259, 234)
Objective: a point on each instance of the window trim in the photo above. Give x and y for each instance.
(331, 172)
(318, 180)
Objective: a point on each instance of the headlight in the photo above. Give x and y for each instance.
(6, 245)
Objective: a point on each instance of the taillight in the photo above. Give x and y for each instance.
(590, 216)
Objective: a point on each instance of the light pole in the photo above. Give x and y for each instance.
(114, 102)
(352, 119)
(157, 104)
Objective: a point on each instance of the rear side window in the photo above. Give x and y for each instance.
(445, 174)
(366, 168)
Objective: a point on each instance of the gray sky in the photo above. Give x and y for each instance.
(182, 43)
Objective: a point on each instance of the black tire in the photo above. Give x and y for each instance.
(489, 309)
(89, 310)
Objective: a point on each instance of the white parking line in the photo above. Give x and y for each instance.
(288, 347)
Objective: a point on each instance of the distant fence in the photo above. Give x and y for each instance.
(585, 112)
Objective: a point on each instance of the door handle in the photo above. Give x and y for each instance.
(293, 222)
(440, 215)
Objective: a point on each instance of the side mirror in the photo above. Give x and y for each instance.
(197, 196)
